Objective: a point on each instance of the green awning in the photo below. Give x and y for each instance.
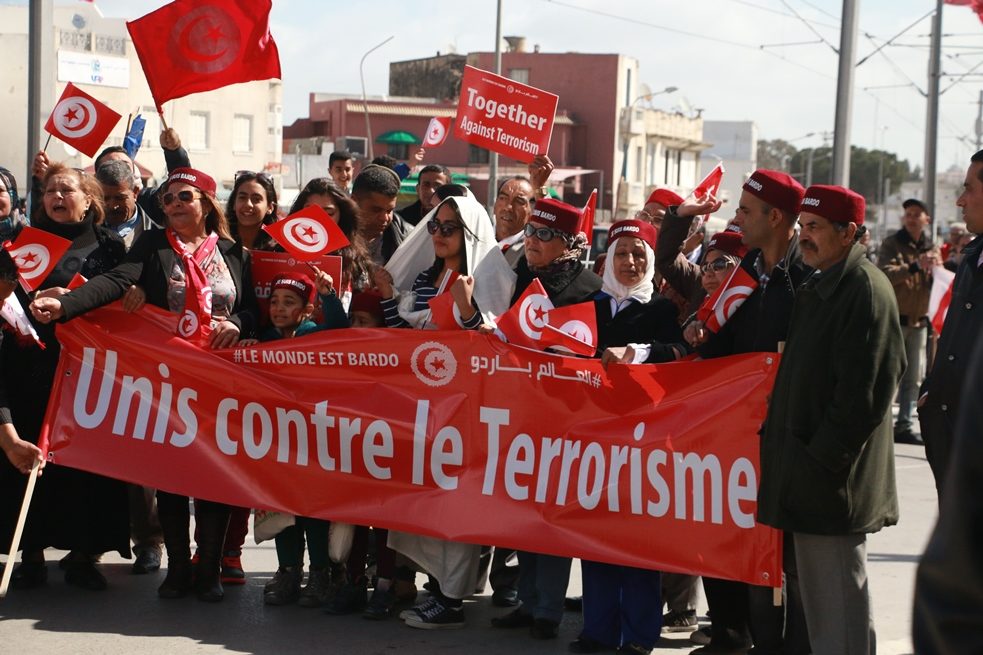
(408, 186)
(398, 136)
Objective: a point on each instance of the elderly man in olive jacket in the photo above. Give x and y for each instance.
(827, 450)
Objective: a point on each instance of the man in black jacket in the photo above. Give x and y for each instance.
(766, 213)
(939, 400)
(374, 191)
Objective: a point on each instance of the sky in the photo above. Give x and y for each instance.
(770, 61)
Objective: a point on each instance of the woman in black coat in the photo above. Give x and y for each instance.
(159, 262)
(622, 604)
(72, 510)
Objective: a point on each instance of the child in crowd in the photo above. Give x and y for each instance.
(291, 309)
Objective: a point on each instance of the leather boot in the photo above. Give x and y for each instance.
(177, 584)
(213, 521)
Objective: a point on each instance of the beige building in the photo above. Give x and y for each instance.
(235, 128)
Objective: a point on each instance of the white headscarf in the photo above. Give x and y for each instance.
(416, 253)
(642, 292)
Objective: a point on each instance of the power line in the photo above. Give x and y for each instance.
(811, 28)
(888, 42)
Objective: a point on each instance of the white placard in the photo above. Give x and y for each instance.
(88, 68)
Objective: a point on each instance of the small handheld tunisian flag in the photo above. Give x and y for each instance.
(81, 121)
(709, 186)
(437, 131)
(442, 310)
(727, 299)
(587, 217)
(190, 46)
(940, 297)
(533, 322)
(36, 253)
(308, 233)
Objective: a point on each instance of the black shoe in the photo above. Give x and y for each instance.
(586, 645)
(544, 629)
(573, 603)
(284, 588)
(514, 619)
(177, 584)
(85, 575)
(349, 599)
(147, 561)
(673, 621)
(634, 649)
(436, 616)
(505, 597)
(29, 575)
(380, 605)
(318, 590)
(908, 436)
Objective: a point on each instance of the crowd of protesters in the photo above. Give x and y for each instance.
(849, 331)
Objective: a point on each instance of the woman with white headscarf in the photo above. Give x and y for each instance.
(439, 255)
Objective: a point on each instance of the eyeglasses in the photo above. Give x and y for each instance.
(721, 264)
(541, 233)
(642, 215)
(266, 177)
(184, 196)
(446, 229)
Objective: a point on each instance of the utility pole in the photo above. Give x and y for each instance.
(932, 112)
(979, 124)
(844, 94)
(493, 156)
(40, 73)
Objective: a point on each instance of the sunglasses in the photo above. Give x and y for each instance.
(721, 264)
(184, 196)
(266, 177)
(541, 233)
(445, 229)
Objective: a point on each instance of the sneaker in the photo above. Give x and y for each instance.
(232, 572)
(437, 617)
(380, 605)
(417, 610)
(318, 590)
(284, 588)
(675, 621)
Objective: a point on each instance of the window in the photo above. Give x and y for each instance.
(639, 164)
(198, 132)
(477, 155)
(399, 150)
(242, 133)
(520, 75)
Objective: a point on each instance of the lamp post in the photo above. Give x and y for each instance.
(365, 102)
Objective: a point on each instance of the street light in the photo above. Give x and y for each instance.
(365, 101)
(627, 122)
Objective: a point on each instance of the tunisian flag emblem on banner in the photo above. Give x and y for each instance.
(727, 299)
(81, 121)
(533, 322)
(36, 253)
(308, 233)
(437, 131)
(431, 433)
(190, 46)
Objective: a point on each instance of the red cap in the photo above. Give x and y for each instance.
(665, 197)
(634, 228)
(557, 215)
(368, 302)
(728, 242)
(835, 203)
(195, 178)
(776, 188)
(296, 282)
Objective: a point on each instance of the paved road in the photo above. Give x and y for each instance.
(130, 619)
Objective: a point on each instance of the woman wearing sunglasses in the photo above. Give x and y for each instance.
(252, 205)
(196, 235)
(84, 513)
(440, 254)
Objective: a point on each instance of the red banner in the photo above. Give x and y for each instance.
(451, 434)
(267, 265)
(504, 116)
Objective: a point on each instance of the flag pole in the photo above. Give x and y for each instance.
(162, 121)
(129, 120)
(47, 141)
(18, 531)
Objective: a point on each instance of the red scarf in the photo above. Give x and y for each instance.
(195, 323)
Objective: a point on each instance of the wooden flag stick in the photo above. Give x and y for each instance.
(162, 121)
(129, 121)
(18, 531)
(45, 148)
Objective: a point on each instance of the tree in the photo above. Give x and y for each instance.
(775, 154)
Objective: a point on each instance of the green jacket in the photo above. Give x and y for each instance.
(827, 447)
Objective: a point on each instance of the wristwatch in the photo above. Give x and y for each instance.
(542, 192)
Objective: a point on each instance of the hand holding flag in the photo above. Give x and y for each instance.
(533, 322)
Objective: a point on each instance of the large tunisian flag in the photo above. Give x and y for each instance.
(189, 46)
